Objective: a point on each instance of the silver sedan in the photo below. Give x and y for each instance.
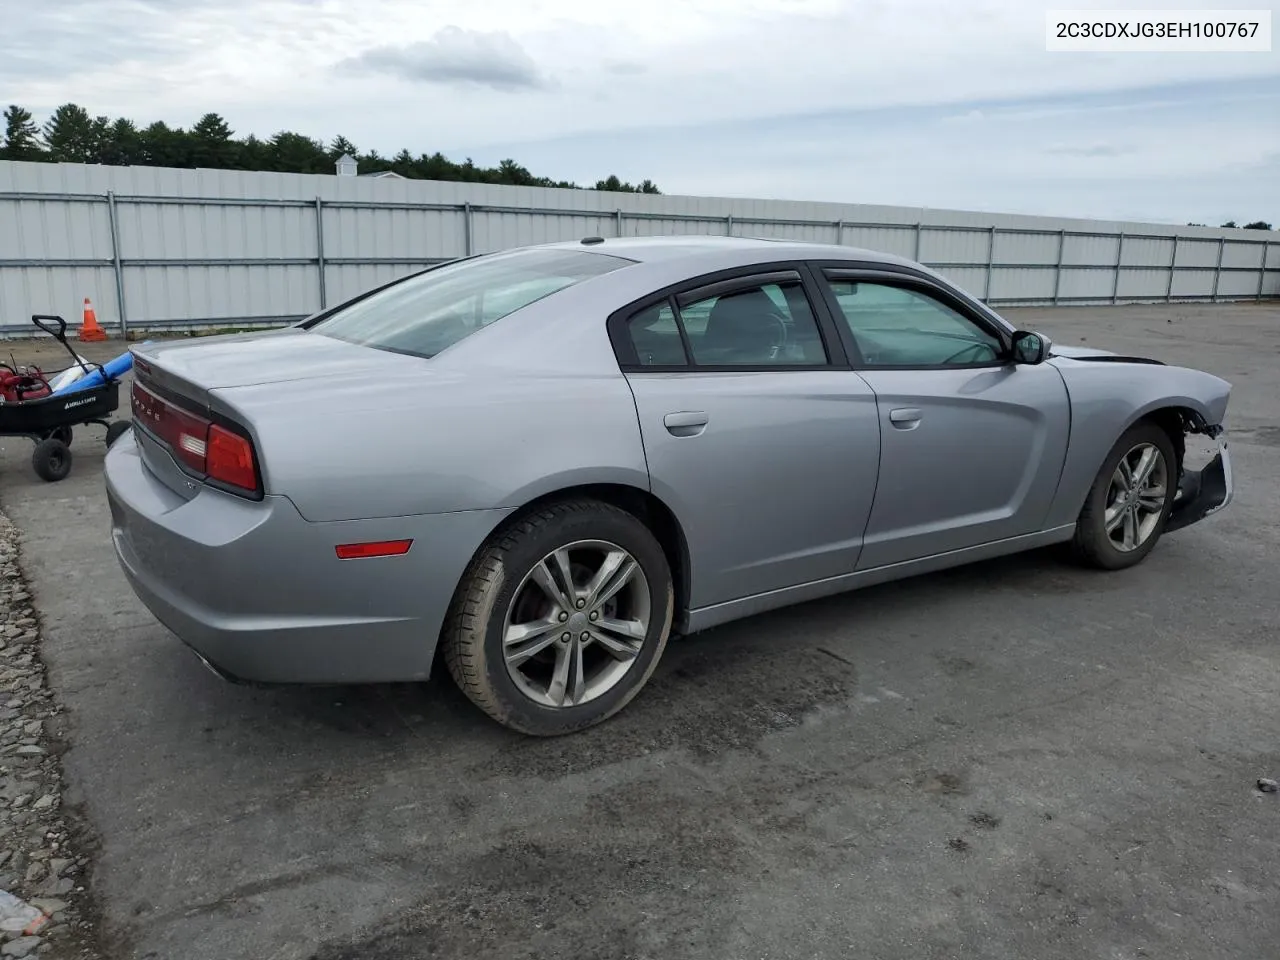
(541, 463)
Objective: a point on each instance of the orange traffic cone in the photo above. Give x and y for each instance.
(90, 329)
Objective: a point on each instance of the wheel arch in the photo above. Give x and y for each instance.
(642, 504)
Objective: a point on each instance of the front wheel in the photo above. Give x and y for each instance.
(561, 619)
(1129, 502)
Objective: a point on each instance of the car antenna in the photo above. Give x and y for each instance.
(591, 240)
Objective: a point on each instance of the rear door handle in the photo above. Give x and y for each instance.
(905, 418)
(687, 423)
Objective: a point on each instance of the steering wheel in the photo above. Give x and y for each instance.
(969, 349)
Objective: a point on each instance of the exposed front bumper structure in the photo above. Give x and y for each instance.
(1202, 493)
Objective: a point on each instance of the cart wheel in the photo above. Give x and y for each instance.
(117, 429)
(52, 459)
(61, 433)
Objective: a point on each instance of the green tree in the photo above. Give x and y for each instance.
(70, 135)
(211, 143)
(295, 153)
(1258, 225)
(121, 144)
(21, 135)
(340, 145)
(1230, 223)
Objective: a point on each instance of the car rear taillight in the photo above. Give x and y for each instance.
(230, 459)
(202, 446)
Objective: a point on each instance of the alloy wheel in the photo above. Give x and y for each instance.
(1136, 497)
(576, 623)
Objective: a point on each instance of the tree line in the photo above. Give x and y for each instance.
(71, 135)
(1256, 225)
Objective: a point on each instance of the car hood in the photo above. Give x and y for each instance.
(1079, 353)
(241, 360)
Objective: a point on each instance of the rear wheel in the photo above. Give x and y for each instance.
(561, 619)
(51, 459)
(1129, 502)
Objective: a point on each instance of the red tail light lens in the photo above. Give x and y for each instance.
(230, 459)
(199, 444)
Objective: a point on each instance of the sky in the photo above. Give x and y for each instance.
(943, 103)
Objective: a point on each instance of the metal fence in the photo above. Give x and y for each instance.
(191, 255)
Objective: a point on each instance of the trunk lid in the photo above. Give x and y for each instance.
(195, 367)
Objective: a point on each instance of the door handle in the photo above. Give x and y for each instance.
(905, 418)
(687, 423)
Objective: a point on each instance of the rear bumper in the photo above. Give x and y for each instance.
(259, 593)
(1202, 493)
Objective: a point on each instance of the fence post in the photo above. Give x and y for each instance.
(839, 233)
(114, 223)
(617, 222)
(1173, 269)
(728, 225)
(1262, 268)
(1217, 269)
(1057, 270)
(915, 252)
(466, 229)
(320, 250)
(991, 259)
(1115, 279)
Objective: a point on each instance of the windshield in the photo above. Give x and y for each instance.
(434, 310)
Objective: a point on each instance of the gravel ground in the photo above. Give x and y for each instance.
(40, 859)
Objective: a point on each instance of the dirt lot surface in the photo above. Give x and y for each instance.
(1015, 759)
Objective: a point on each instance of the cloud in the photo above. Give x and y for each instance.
(1085, 150)
(458, 57)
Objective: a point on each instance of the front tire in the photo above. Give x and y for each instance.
(1125, 512)
(561, 618)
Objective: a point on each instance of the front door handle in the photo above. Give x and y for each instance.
(687, 423)
(905, 418)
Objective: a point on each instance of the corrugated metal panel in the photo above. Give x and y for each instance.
(1090, 251)
(56, 290)
(969, 279)
(1237, 284)
(1147, 252)
(61, 249)
(1241, 254)
(54, 230)
(954, 246)
(1197, 253)
(173, 293)
(345, 282)
(1192, 283)
(1009, 283)
(899, 241)
(1142, 283)
(1086, 284)
(1026, 248)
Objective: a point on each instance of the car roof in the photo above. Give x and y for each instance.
(744, 250)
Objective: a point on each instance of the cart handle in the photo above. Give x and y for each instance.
(40, 319)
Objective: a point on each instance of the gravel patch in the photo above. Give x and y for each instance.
(39, 862)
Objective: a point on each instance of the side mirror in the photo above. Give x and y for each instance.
(1031, 347)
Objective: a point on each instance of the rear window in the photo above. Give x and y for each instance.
(430, 312)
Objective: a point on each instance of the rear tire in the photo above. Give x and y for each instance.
(1136, 513)
(51, 460)
(544, 660)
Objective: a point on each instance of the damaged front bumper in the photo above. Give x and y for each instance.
(1203, 492)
